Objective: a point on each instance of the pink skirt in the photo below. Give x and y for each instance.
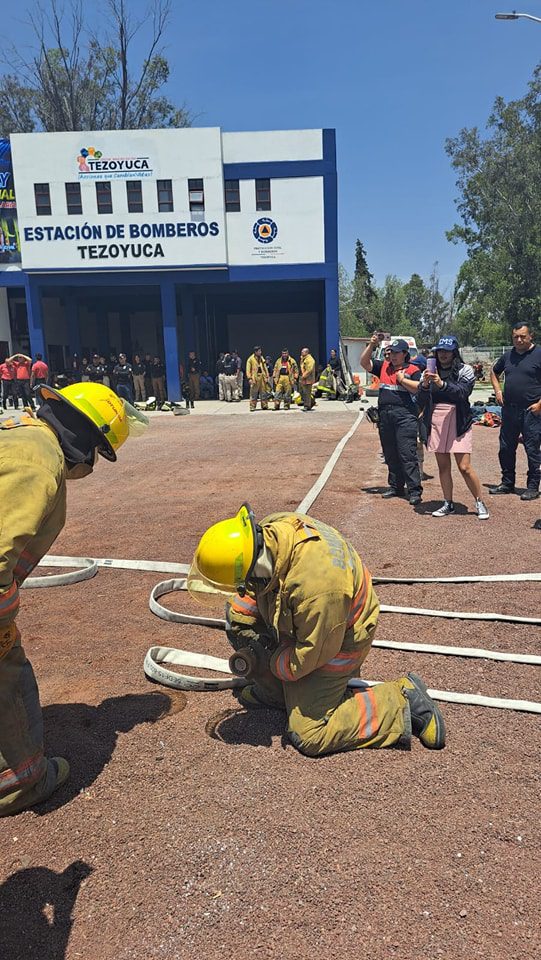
(443, 438)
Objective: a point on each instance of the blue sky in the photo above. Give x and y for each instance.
(394, 77)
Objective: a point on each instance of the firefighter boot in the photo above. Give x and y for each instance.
(426, 720)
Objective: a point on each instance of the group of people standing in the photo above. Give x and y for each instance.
(267, 381)
(287, 375)
(19, 375)
(430, 397)
(142, 378)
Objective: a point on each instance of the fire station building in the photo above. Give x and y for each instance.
(165, 241)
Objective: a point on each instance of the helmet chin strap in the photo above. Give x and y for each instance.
(262, 567)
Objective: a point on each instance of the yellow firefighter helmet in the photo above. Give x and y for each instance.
(113, 418)
(225, 556)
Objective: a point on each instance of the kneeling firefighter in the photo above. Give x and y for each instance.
(302, 623)
(37, 455)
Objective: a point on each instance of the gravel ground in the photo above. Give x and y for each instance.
(189, 828)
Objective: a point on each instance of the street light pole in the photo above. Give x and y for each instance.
(517, 16)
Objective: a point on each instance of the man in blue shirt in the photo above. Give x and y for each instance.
(521, 409)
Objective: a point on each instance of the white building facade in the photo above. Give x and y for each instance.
(165, 241)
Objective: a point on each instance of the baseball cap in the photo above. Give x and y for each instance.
(398, 345)
(447, 343)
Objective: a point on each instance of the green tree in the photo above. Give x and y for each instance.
(75, 80)
(16, 102)
(437, 313)
(389, 306)
(499, 179)
(415, 303)
(362, 277)
(357, 297)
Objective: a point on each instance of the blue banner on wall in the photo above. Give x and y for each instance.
(10, 247)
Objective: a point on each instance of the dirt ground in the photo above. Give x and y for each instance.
(190, 828)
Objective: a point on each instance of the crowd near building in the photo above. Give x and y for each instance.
(164, 243)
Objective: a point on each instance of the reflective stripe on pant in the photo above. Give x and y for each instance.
(282, 392)
(259, 391)
(517, 421)
(25, 774)
(326, 716)
(398, 433)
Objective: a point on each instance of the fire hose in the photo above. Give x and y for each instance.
(158, 655)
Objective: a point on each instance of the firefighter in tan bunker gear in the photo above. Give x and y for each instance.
(257, 373)
(304, 617)
(285, 375)
(307, 378)
(37, 455)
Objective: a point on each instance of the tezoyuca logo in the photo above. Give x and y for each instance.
(265, 230)
(93, 165)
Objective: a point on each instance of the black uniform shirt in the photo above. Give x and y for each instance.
(522, 373)
(96, 372)
(123, 373)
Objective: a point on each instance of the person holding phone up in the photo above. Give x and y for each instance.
(399, 382)
(443, 397)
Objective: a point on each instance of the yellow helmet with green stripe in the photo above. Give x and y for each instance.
(225, 556)
(114, 418)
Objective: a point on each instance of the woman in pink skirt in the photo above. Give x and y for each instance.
(443, 397)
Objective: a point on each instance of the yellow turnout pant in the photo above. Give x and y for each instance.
(259, 391)
(282, 392)
(25, 774)
(326, 716)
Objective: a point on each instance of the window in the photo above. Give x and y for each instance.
(134, 192)
(43, 199)
(262, 195)
(232, 196)
(196, 196)
(165, 196)
(73, 198)
(103, 196)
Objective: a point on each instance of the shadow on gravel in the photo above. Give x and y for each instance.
(253, 727)
(427, 506)
(374, 489)
(87, 736)
(36, 908)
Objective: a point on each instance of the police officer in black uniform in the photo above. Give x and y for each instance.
(96, 370)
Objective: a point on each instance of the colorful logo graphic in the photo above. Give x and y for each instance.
(83, 154)
(93, 165)
(265, 230)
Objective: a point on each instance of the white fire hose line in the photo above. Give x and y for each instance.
(459, 615)
(86, 569)
(177, 681)
(489, 578)
(157, 655)
(315, 491)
